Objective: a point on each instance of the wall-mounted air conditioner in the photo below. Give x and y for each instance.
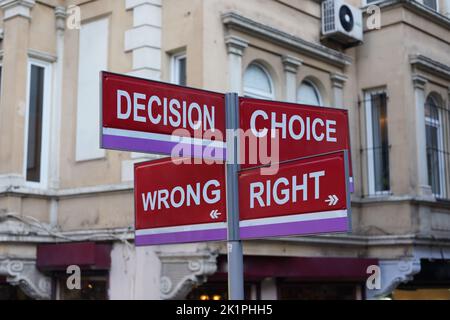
(342, 22)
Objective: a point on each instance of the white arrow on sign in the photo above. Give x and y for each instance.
(215, 214)
(332, 200)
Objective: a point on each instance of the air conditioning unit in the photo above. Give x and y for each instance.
(342, 22)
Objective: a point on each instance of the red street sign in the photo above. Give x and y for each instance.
(179, 203)
(141, 115)
(306, 196)
(301, 130)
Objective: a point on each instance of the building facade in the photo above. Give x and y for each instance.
(66, 202)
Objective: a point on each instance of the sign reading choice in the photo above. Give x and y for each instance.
(189, 205)
(301, 130)
(141, 115)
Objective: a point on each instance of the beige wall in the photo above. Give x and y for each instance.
(196, 26)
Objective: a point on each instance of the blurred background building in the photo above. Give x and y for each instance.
(64, 201)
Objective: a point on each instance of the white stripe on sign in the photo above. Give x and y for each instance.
(197, 227)
(295, 218)
(162, 137)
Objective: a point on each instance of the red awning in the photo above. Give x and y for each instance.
(86, 255)
(300, 268)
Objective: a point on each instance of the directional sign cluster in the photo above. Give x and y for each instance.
(177, 203)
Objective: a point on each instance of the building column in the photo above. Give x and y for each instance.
(57, 103)
(291, 65)
(235, 50)
(144, 39)
(16, 25)
(423, 187)
(337, 85)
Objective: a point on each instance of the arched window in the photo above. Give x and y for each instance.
(309, 94)
(435, 147)
(258, 83)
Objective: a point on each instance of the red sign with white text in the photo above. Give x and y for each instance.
(301, 186)
(305, 197)
(300, 129)
(148, 116)
(151, 106)
(179, 203)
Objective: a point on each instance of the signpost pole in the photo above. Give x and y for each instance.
(235, 254)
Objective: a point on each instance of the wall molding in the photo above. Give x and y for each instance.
(235, 21)
(181, 272)
(426, 64)
(16, 8)
(23, 273)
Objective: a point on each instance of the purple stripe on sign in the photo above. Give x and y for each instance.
(351, 186)
(181, 237)
(295, 228)
(161, 147)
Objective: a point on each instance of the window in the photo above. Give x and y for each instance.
(372, 1)
(377, 142)
(435, 147)
(37, 126)
(309, 94)
(92, 58)
(179, 69)
(94, 286)
(432, 4)
(258, 83)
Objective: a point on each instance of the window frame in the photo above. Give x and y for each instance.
(45, 139)
(365, 3)
(437, 5)
(175, 67)
(316, 89)
(370, 143)
(258, 94)
(438, 124)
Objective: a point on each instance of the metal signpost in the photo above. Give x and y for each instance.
(181, 202)
(235, 253)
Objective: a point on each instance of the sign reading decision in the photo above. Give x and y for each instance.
(188, 204)
(147, 116)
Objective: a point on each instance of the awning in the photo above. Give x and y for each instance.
(86, 255)
(300, 268)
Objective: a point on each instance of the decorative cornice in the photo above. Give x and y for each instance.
(23, 273)
(131, 4)
(393, 273)
(234, 21)
(180, 272)
(419, 82)
(60, 15)
(44, 56)
(235, 45)
(418, 8)
(421, 62)
(338, 80)
(16, 8)
(291, 64)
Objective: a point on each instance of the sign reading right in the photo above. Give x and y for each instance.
(308, 196)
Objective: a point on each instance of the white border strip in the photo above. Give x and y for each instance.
(195, 227)
(295, 218)
(163, 137)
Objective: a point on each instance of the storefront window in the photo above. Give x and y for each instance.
(92, 288)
